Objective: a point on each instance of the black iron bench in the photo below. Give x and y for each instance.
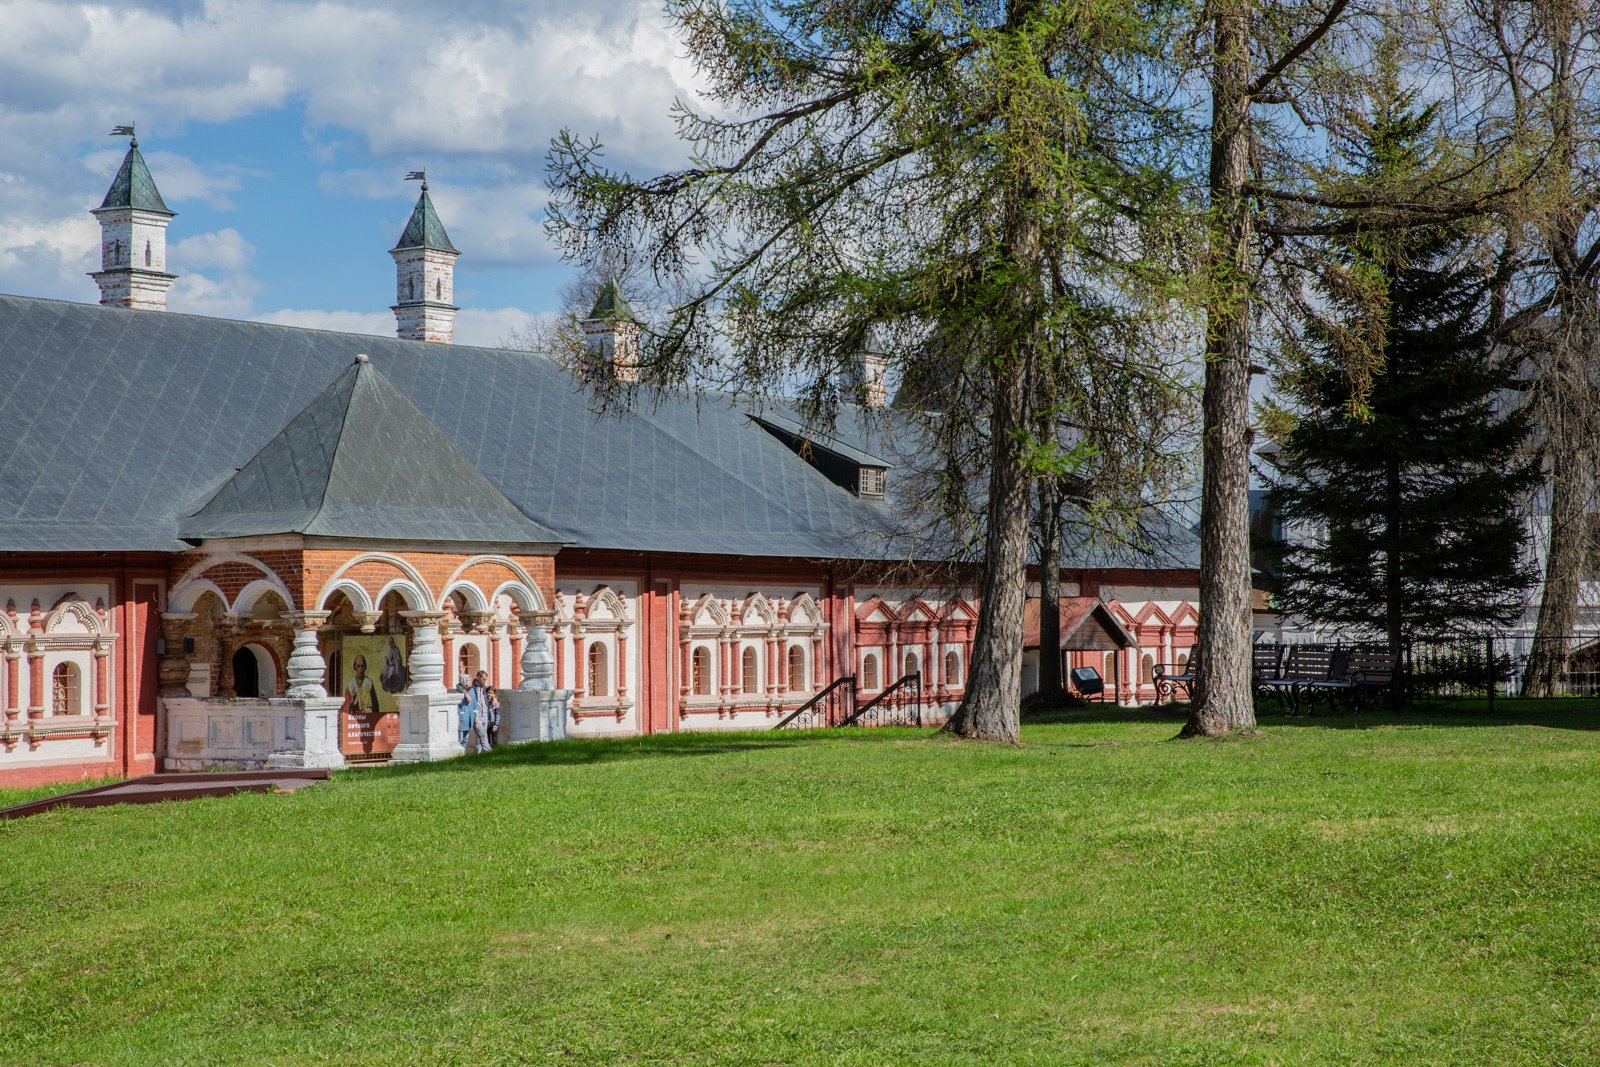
(1303, 667)
(1171, 677)
(1266, 665)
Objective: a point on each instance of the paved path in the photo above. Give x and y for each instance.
(154, 788)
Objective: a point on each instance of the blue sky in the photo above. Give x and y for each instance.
(280, 131)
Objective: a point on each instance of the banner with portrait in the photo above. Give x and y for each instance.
(374, 668)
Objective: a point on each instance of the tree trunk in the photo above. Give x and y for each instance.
(1565, 562)
(1050, 589)
(1223, 702)
(991, 707)
(1394, 580)
(1566, 398)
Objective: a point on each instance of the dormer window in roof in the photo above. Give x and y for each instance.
(872, 482)
(842, 463)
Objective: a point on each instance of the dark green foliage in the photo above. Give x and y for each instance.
(1402, 498)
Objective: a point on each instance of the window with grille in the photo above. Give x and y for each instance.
(869, 671)
(872, 481)
(797, 670)
(750, 672)
(65, 690)
(701, 664)
(599, 675)
(952, 668)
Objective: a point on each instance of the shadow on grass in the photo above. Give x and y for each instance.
(1556, 712)
(1560, 713)
(1174, 714)
(621, 749)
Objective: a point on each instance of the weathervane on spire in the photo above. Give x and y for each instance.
(125, 131)
(419, 176)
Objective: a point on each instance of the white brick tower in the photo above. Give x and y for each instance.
(612, 333)
(870, 380)
(133, 239)
(424, 277)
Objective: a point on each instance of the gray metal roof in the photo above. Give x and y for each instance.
(361, 461)
(123, 424)
(133, 186)
(423, 229)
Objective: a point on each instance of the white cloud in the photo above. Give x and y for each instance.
(472, 90)
(378, 323)
(490, 327)
(491, 78)
(224, 248)
(213, 275)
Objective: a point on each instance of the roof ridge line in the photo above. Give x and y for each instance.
(344, 426)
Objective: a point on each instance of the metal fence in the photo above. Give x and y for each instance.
(1488, 666)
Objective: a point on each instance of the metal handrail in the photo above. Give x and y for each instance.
(912, 679)
(847, 680)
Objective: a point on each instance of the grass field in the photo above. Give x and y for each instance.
(1411, 892)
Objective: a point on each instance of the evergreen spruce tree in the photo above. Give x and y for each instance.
(1409, 488)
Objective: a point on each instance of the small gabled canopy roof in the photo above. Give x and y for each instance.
(361, 461)
(610, 305)
(1087, 625)
(133, 187)
(424, 230)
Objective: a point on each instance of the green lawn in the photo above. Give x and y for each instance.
(1417, 891)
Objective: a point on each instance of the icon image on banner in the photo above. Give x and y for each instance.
(370, 718)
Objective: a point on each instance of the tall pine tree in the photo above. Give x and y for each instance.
(1407, 465)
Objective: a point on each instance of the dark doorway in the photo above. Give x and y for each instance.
(246, 676)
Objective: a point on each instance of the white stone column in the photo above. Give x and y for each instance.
(538, 661)
(427, 652)
(306, 667)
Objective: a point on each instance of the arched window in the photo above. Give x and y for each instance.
(147, 253)
(66, 695)
(701, 664)
(411, 287)
(438, 289)
(1183, 661)
(913, 664)
(869, 671)
(469, 660)
(952, 667)
(1147, 665)
(1110, 671)
(750, 671)
(797, 669)
(599, 674)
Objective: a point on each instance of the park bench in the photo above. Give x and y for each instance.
(1303, 666)
(1266, 665)
(1355, 672)
(1374, 670)
(1171, 677)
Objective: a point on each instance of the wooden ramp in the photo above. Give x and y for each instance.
(154, 788)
